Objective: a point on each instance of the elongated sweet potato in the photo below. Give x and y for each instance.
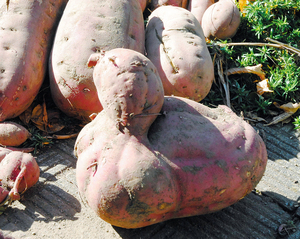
(86, 28)
(144, 4)
(176, 45)
(13, 134)
(26, 34)
(147, 158)
(177, 3)
(18, 172)
(221, 20)
(198, 7)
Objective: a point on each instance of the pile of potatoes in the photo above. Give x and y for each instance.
(54, 39)
(133, 71)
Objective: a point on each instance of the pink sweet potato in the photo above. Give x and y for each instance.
(3, 153)
(86, 28)
(18, 172)
(144, 4)
(13, 134)
(26, 34)
(177, 3)
(176, 45)
(3, 195)
(198, 7)
(147, 158)
(2, 236)
(221, 20)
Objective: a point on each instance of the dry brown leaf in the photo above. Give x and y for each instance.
(45, 115)
(254, 117)
(47, 121)
(37, 117)
(263, 87)
(279, 118)
(289, 109)
(273, 112)
(257, 70)
(54, 123)
(70, 136)
(25, 117)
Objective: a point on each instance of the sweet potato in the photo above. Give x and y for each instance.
(221, 20)
(13, 134)
(139, 95)
(26, 33)
(3, 195)
(2, 236)
(147, 158)
(86, 28)
(18, 172)
(21, 149)
(176, 45)
(144, 4)
(3, 153)
(177, 3)
(198, 7)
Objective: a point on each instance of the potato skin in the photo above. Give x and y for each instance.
(26, 35)
(13, 134)
(176, 158)
(3, 194)
(18, 172)
(195, 161)
(177, 3)
(144, 4)
(171, 33)
(221, 20)
(198, 7)
(86, 28)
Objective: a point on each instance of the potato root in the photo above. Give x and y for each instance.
(147, 158)
(176, 45)
(26, 35)
(13, 134)
(86, 28)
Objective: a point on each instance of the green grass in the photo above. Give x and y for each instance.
(264, 19)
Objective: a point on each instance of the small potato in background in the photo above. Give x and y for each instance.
(13, 134)
(221, 20)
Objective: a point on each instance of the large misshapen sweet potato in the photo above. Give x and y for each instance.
(86, 28)
(171, 157)
(176, 45)
(221, 20)
(13, 134)
(26, 34)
